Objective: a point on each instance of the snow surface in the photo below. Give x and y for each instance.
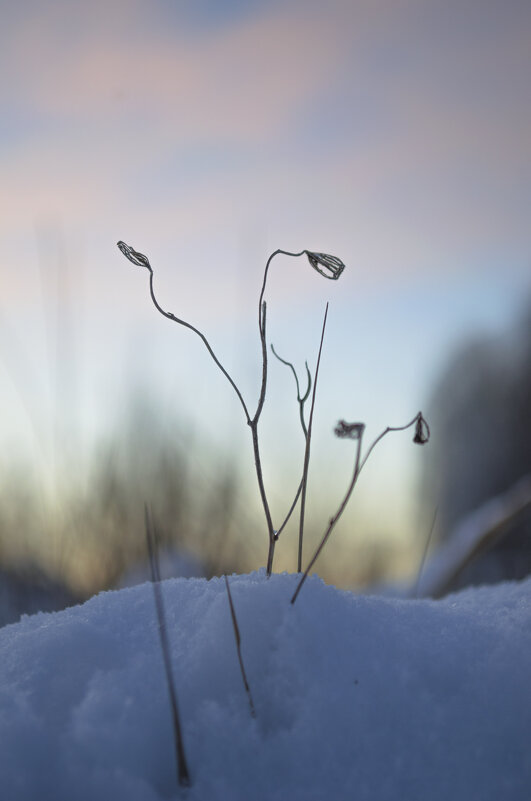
(356, 697)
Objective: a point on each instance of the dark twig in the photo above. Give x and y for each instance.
(291, 509)
(355, 431)
(183, 774)
(142, 261)
(238, 648)
(330, 267)
(301, 400)
(422, 434)
(272, 534)
(304, 481)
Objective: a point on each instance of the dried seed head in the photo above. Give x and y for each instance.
(136, 258)
(422, 431)
(345, 430)
(329, 266)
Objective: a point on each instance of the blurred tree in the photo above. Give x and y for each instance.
(481, 446)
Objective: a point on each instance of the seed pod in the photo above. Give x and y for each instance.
(329, 266)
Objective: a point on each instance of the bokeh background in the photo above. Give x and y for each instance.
(206, 134)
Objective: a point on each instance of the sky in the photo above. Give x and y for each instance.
(394, 135)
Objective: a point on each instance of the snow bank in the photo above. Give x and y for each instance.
(356, 697)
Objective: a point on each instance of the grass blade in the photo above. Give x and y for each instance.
(183, 774)
(238, 648)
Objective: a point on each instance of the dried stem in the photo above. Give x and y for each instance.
(355, 431)
(301, 400)
(304, 481)
(254, 422)
(328, 266)
(141, 260)
(183, 774)
(238, 648)
(292, 507)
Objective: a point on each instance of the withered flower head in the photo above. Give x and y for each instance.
(345, 430)
(422, 431)
(329, 266)
(136, 258)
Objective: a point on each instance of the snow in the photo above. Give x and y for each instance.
(475, 533)
(172, 564)
(356, 697)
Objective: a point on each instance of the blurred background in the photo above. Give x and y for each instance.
(206, 134)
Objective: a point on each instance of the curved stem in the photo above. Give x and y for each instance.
(264, 282)
(300, 401)
(292, 507)
(175, 319)
(357, 470)
(261, 399)
(253, 423)
(383, 434)
(333, 521)
(262, 327)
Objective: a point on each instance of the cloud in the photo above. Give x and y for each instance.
(396, 130)
(243, 83)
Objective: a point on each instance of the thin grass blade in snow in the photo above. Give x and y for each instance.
(183, 774)
(238, 648)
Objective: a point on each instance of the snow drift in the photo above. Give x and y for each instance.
(356, 697)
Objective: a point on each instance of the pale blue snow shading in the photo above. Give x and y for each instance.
(358, 698)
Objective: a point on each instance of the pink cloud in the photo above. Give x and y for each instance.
(442, 172)
(244, 83)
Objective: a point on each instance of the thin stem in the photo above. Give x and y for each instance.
(261, 399)
(333, 521)
(418, 420)
(263, 496)
(262, 327)
(304, 481)
(175, 319)
(384, 433)
(183, 774)
(300, 400)
(292, 507)
(238, 649)
(264, 282)
(253, 423)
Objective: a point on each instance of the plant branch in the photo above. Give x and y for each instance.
(328, 266)
(141, 260)
(355, 431)
(253, 423)
(421, 436)
(333, 520)
(306, 465)
(300, 400)
(292, 507)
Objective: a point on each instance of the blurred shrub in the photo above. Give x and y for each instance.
(91, 530)
(481, 445)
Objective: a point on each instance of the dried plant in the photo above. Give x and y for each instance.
(328, 266)
(355, 431)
